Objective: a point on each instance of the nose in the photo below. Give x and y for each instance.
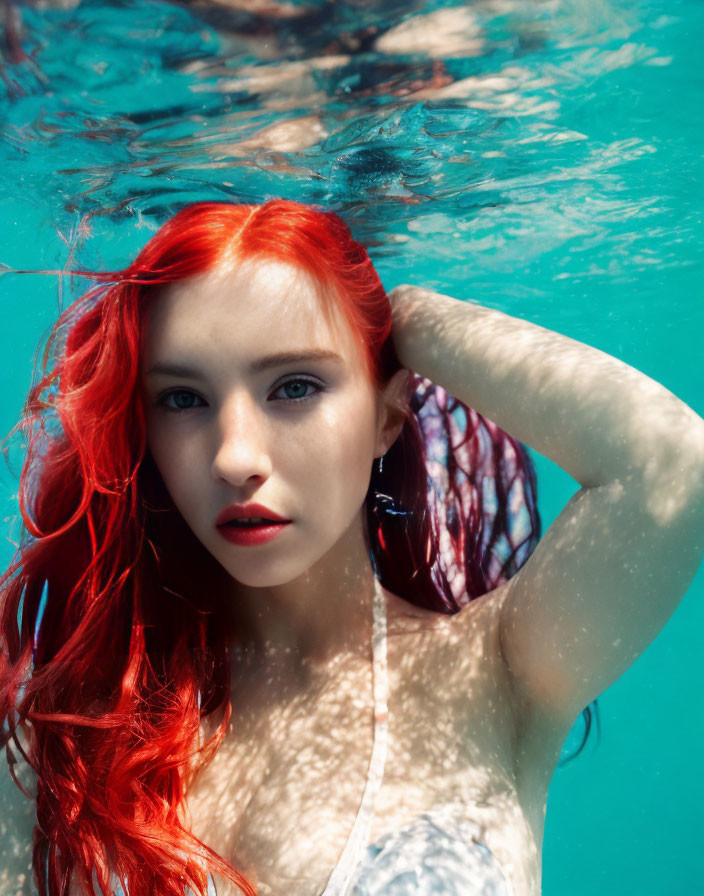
(241, 452)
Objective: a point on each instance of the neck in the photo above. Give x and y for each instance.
(320, 616)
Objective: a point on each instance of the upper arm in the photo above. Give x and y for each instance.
(599, 587)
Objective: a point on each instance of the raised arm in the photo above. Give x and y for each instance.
(612, 568)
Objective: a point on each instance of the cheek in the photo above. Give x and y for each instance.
(176, 466)
(339, 460)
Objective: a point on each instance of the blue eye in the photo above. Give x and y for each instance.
(178, 394)
(296, 384)
(179, 400)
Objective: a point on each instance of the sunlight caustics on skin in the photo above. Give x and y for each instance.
(528, 156)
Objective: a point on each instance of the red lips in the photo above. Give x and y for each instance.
(250, 536)
(238, 511)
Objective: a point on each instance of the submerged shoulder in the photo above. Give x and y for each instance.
(475, 629)
(470, 645)
(463, 654)
(462, 650)
(473, 632)
(537, 735)
(17, 820)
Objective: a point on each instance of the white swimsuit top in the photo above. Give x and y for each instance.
(437, 854)
(440, 853)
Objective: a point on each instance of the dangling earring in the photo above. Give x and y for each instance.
(385, 503)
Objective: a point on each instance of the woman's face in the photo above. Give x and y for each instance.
(229, 422)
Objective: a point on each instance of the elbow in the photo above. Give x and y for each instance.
(675, 487)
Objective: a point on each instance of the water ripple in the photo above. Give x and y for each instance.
(518, 127)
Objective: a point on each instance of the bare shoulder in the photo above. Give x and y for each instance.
(17, 820)
(537, 737)
(466, 644)
(461, 653)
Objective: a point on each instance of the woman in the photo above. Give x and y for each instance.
(231, 503)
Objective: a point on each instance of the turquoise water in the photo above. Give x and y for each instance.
(543, 157)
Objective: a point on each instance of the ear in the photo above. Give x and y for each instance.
(394, 397)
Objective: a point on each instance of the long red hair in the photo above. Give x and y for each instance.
(112, 651)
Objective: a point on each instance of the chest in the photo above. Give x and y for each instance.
(281, 795)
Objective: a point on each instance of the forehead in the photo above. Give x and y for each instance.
(246, 309)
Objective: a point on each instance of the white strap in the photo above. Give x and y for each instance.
(342, 875)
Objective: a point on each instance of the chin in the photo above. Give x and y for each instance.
(270, 567)
(266, 573)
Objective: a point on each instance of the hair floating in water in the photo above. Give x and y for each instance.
(113, 623)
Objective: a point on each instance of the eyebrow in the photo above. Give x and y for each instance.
(264, 363)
